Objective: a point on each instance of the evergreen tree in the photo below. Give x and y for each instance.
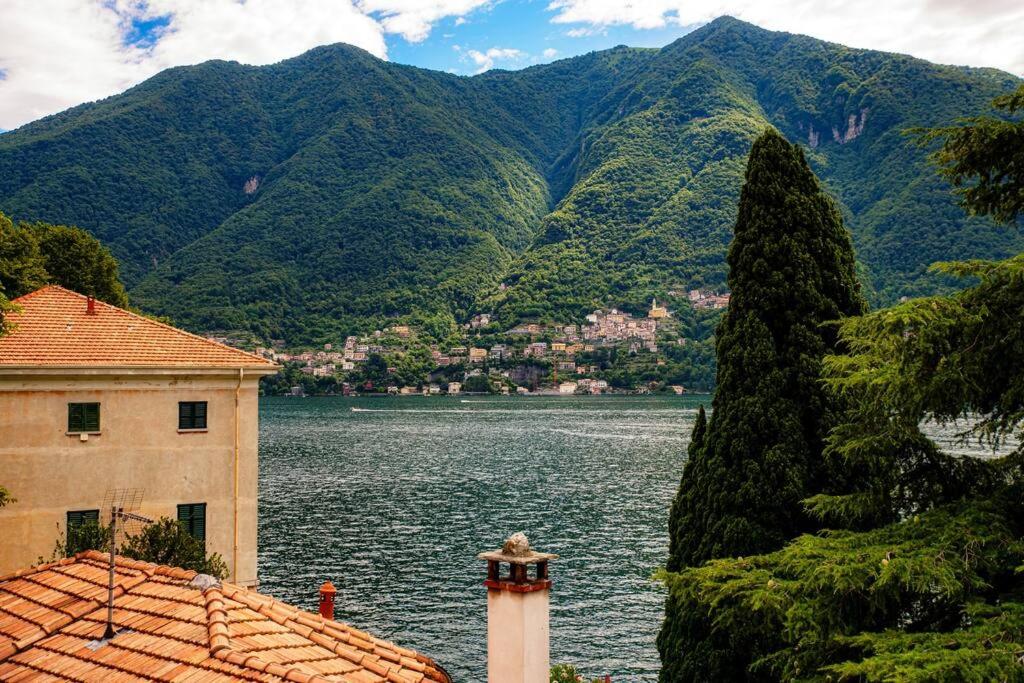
(700, 428)
(926, 582)
(792, 271)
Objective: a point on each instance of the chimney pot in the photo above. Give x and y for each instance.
(90, 306)
(327, 592)
(518, 647)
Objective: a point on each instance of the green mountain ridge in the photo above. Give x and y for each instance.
(329, 193)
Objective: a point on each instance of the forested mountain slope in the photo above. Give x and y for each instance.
(330, 192)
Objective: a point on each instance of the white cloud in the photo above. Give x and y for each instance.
(58, 53)
(580, 32)
(485, 60)
(550, 52)
(413, 19)
(460, 21)
(978, 33)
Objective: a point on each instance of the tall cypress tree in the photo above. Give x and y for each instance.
(791, 270)
(700, 428)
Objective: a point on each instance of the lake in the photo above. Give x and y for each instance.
(392, 502)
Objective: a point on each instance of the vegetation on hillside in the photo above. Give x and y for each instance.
(920, 576)
(333, 193)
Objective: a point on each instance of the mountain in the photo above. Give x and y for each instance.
(333, 191)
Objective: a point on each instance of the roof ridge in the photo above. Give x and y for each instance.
(42, 309)
(206, 638)
(147, 319)
(37, 291)
(150, 568)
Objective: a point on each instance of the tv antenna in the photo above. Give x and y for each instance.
(122, 504)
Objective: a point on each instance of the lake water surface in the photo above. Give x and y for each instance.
(393, 501)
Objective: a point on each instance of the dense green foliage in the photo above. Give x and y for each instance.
(35, 254)
(326, 194)
(675, 537)
(922, 576)
(87, 536)
(791, 271)
(977, 158)
(167, 542)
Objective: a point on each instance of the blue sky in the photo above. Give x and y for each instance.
(524, 27)
(55, 54)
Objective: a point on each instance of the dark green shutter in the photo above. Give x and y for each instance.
(75, 417)
(192, 415)
(83, 417)
(200, 415)
(74, 533)
(92, 417)
(193, 518)
(77, 518)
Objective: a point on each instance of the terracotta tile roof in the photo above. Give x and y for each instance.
(171, 628)
(53, 329)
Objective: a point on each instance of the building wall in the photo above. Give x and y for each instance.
(50, 472)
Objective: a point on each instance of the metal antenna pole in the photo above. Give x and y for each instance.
(109, 633)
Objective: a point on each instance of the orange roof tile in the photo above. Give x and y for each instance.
(54, 329)
(172, 628)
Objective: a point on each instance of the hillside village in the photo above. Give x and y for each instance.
(601, 355)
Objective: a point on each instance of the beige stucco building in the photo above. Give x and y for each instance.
(94, 398)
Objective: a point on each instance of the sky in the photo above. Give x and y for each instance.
(55, 54)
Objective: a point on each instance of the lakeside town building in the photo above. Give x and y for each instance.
(94, 398)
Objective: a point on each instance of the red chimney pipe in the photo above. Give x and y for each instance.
(90, 306)
(327, 592)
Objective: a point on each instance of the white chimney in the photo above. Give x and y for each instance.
(518, 632)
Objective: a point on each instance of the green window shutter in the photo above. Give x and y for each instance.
(75, 534)
(200, 414)
(75, 417)
(193, 518)
(92, 417)
(83, 417)
(77, 518)
(192, 415)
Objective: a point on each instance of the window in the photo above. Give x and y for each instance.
(83, 417)
(84, 532)
(77, 518)
(192, 415)
(193, 517)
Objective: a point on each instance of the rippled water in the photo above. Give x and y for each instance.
(394, 501)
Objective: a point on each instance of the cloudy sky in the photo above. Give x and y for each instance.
(58, 53)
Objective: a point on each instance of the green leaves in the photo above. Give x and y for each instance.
(820, 600)
(167, 542)
(981, 156)
(35, 254)
(923, 580)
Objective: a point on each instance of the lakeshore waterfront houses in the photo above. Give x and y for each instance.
(603, 328)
